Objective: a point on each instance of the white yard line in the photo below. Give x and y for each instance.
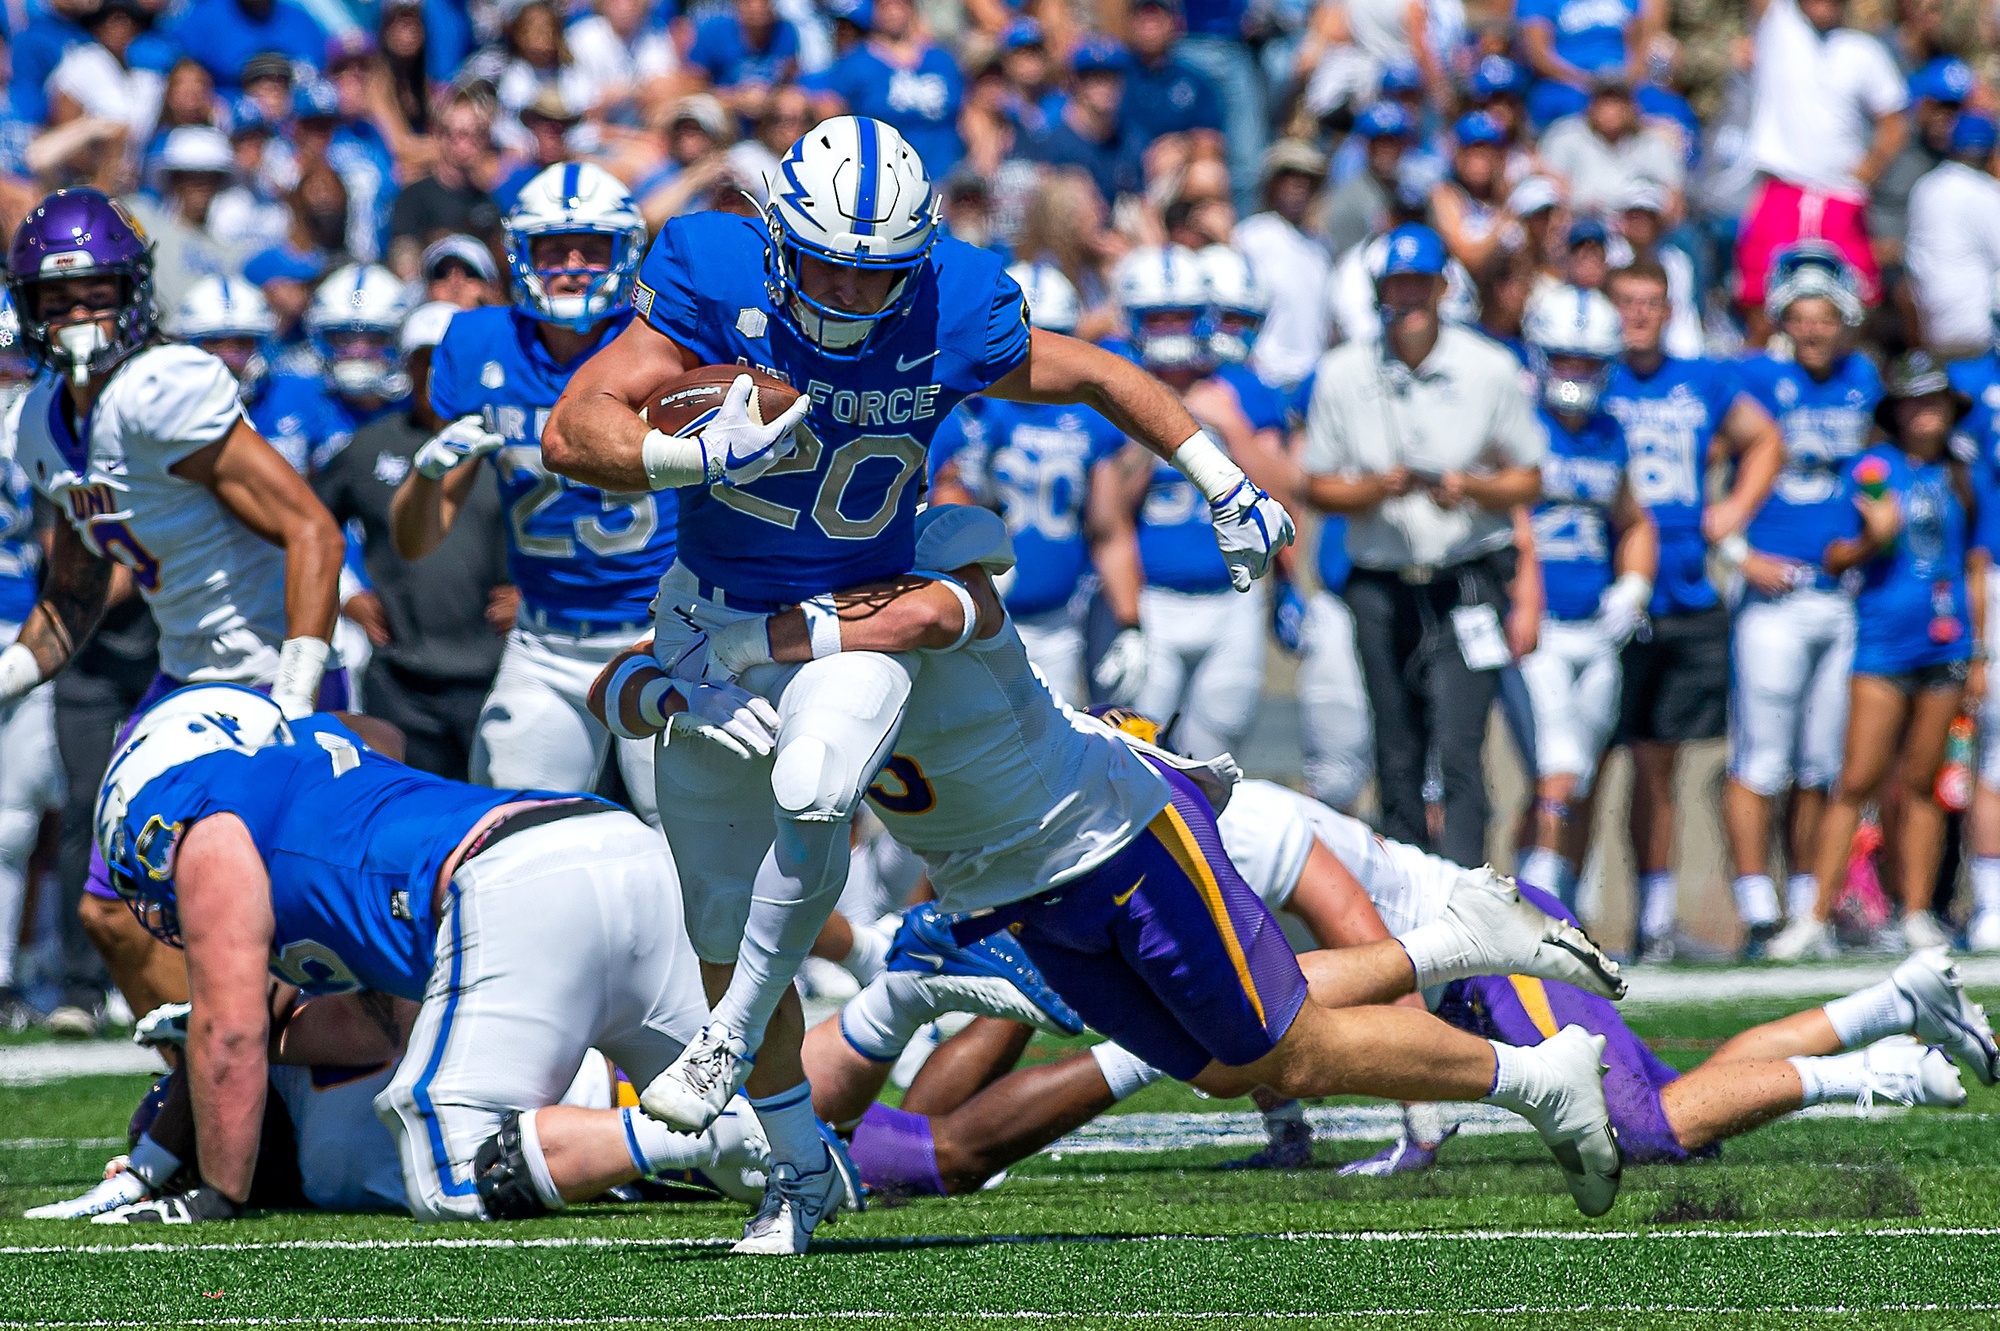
(34, 1064)
(1023, 1315)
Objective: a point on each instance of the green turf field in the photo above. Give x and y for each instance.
(1829, 1221)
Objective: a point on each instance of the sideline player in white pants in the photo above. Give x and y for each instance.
(1794, 631)
(1598, 553)
(587, 563)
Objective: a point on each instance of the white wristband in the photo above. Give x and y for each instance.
(1733, 549)
(19, 672)
(736, 647)
(301, 662)
(1635, 589)
(672, 462)
(1208, 467)
(965, 602)
(822, 625)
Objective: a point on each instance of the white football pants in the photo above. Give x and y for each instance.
(1054, 640)
(31, 784)
(560, 938)
(1790, 664)
(536, 731)
(1204, 663)
(1336, 727)
(1573, 678)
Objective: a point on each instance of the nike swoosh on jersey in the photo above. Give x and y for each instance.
(902, 365)
(1126, 895)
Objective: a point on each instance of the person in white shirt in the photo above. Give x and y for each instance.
(1290, 261)
(1640, 213)
(94, 79)
(619, 52)
(1826, 121)
(1954, 245)
(1604, 151)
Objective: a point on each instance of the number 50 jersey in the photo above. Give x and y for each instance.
(841, 510)
(586, 561)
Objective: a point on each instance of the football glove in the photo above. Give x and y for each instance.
(1121, 671)
(736, 449)
(1288, 617)
(182, 1208)
(1621, 610)
(630, 697)
(464, 440)
(165, 1026)
(1250, 527)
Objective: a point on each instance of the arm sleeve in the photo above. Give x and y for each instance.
(665, 295)
(178, 401)
(1006, 332)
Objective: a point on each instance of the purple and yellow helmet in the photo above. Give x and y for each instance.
(82, 233)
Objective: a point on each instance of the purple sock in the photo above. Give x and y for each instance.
(894, 1153)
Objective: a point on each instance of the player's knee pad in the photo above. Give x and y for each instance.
(510, 1173)
(840, 724)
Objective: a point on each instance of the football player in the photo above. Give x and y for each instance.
(144, 449)
(587, 562)
(229, 319)
(1794, 631)
(258, 843)
(1103, 859)
(1044, 469)
(1598, 552)
(846, 289)
(353, 321)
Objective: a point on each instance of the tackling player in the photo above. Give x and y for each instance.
(587, 562)
(1598, 552)
(848, 291)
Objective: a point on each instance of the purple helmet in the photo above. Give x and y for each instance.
(80, 233)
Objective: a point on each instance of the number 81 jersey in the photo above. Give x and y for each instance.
(841, 510)
(586, 561)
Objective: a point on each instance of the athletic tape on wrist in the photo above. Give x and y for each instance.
(672, 462)
(301, 664)
(614, 694)
(822, 625)
(19, 672)
(965, 602)
(1208, 467)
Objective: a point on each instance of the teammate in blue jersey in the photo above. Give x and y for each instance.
(846, 289)
(1919, 610)
(1204, 644)
(1674, 412)
(1794, 630)
(266, 848)
(1597, 550)
(1042, 468)
(1979, 379)
(586, 562)
(353, 321)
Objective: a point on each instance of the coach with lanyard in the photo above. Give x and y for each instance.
(1424, 438)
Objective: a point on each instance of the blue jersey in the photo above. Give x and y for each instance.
(1177, 536)
(1670, 418)
(921, 102)
(1331, 558)
(1581, 477)
(1589, 34)
(1036, 469)
(1263, 406)
(585, 561)
(1910, 611)
(842, 510)
(352, 841)
(1825, 426)
(20, 552)
(1979, 380)
(301, 420)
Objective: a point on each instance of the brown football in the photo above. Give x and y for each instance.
(681, 401)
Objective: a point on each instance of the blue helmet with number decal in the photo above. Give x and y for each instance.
(137, 834)
(850, 194)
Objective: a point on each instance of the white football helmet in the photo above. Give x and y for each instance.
(1813, 268)
(1164, 294)
(575, 198)
(1239, 300)
(1575, 325)
(852, 193)
(16, 369)
(220, 311)
(354, 320)
(1052, 299)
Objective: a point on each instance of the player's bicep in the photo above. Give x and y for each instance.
(254, 482)
(638, 361)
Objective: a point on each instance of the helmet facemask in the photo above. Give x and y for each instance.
(840, 334)
(609, 289)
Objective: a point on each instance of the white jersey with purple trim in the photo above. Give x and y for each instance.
(216, 588)
(1268, 830)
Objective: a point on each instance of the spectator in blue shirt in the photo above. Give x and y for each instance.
(1215, 45)
(225, 34)
(745, 54)
(904, 79)
(1569, 42)
(330, 129)
(1092, 133)
(1164, 94)
(1032, 95)
(36, 51)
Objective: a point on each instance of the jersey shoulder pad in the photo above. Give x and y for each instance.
(171, 401)
(471, 340)
(697, 260)
(983, 313)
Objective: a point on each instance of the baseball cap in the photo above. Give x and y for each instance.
(1640, 195)
(1293, 155)
(1531, 196)
(1588, 230)
(199, 148)
(1972, 133)
(424, 326)
(1022, 32)
(1411, 248)
(1099, 55)
(267, 65)
(1171, 6)
(465, 250)
(704, 110)
(861, 13)
(1492, 76)
(549, 105)
(1384, 120)
(247, 118)
(1611, 81)
(281, 263)
(1944, 79)
(1477, 127)
(315, 99)
(1403, 76)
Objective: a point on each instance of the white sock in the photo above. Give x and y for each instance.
(538, 1164)
(1801, 895)
(729, 1133)
(1516, 1079)
(1659, 904)
(870, 953)
(1546, 869)
(1871, 1014)
(153, 1162)
(1986, 884)
(655, 1146)
(790, 902)
(881, 1020)
(1124, 1072)
(1756, 899)
(789, 1125)
(1833, 1078)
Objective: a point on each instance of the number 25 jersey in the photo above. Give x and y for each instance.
(841, 510)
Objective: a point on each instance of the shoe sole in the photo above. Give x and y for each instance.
(670, 1105)
(1940, 999)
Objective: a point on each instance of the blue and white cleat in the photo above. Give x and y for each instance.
(119, 1188)
(966, 973)
(795, 1204)
(1945, 1016)
(697, 1086)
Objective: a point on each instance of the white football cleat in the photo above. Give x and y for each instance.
(1572, 1117)
(1945, 1016)
(1499, 932)
(695, 1088)
(1983, 934)
(1804, 939)
(120, 1187)
(1903, 1072)
(795, 1204)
